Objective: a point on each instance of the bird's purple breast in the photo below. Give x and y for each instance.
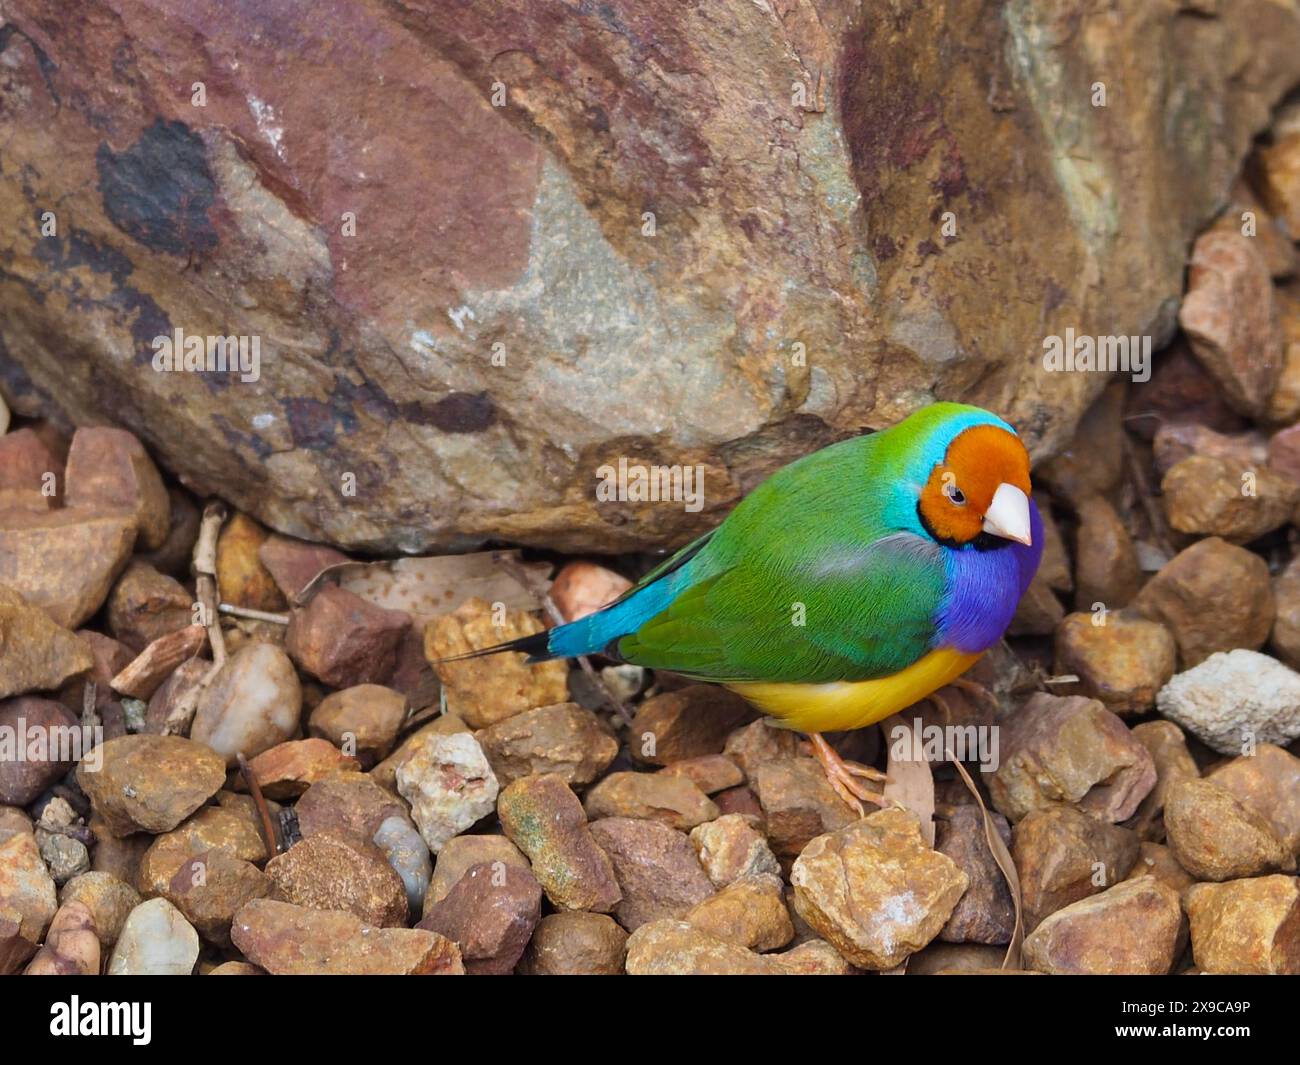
(983, 589)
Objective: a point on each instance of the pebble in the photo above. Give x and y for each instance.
(985, 913)
(1062, 855)
(65, 561)
(686, 723)
(385, 773)
(1106, 565)
(1175, 441)
(150, 783)
(345, 640)
(210, 887)
(1133, 928)
(1213, 596)
(749, 912)
(1157, 860)
(709, 772)
(449, 784)
(1229, 317)
(461, 854)
(146, 605)
(1173, 761)
(545, 820)
(1070, 749)
(798, 803)
(242, 578)
(362, 720)
(1122, 663)
(405, 850)
(288, 769)
(1268, 783)
(1215, 837)
(109, 900)
(289, 940)
(26, 888)
(730, 848)
(674, 948)
(490, 914)
(874, 890)
(656, 868)
(582, 588)
(156, 940)
(758, 742)
(71, 946)
(1278, 176)
(675, 801)
(347, 804)
(484, 691)
(252, 704)
(212, 828)
(563, 739)
(1246, 927)
(1235, 698)
(325, 872)
(574, 943)
(1206, 496)
(31, 731)
(294, 564)
(109, 467)
(25, 460)
(36, 654)
(1284, 640)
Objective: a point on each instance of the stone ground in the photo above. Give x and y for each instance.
(290, 786)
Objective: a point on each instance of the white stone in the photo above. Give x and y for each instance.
(1234, 699)
(155, 941)
(449, 784)
(253, 704)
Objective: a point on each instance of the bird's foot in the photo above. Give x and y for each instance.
(845, 777)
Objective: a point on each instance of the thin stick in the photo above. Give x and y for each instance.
(253, 615)
(204, 567)
(259, 800)
(1155, 516)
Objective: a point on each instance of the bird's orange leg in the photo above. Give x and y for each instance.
(843, 776)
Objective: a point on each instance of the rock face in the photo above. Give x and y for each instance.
(622, 236)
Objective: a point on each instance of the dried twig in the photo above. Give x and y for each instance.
(204, 567)
(251, 614)
(259, 800)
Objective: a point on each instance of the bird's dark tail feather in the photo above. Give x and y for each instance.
(534, 646)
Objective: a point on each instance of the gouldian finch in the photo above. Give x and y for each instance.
(849, 585)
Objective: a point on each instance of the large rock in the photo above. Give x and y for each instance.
(760, 226)
(875, 890)
(1233, 701)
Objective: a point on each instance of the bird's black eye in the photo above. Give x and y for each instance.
(955, 495)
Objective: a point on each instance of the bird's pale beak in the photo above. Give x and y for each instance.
(1008, 515)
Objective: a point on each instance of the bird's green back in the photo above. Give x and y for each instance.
(813, 577)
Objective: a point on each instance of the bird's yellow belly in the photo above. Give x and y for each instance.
(841, 705)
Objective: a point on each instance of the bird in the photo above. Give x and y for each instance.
(850, 584)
